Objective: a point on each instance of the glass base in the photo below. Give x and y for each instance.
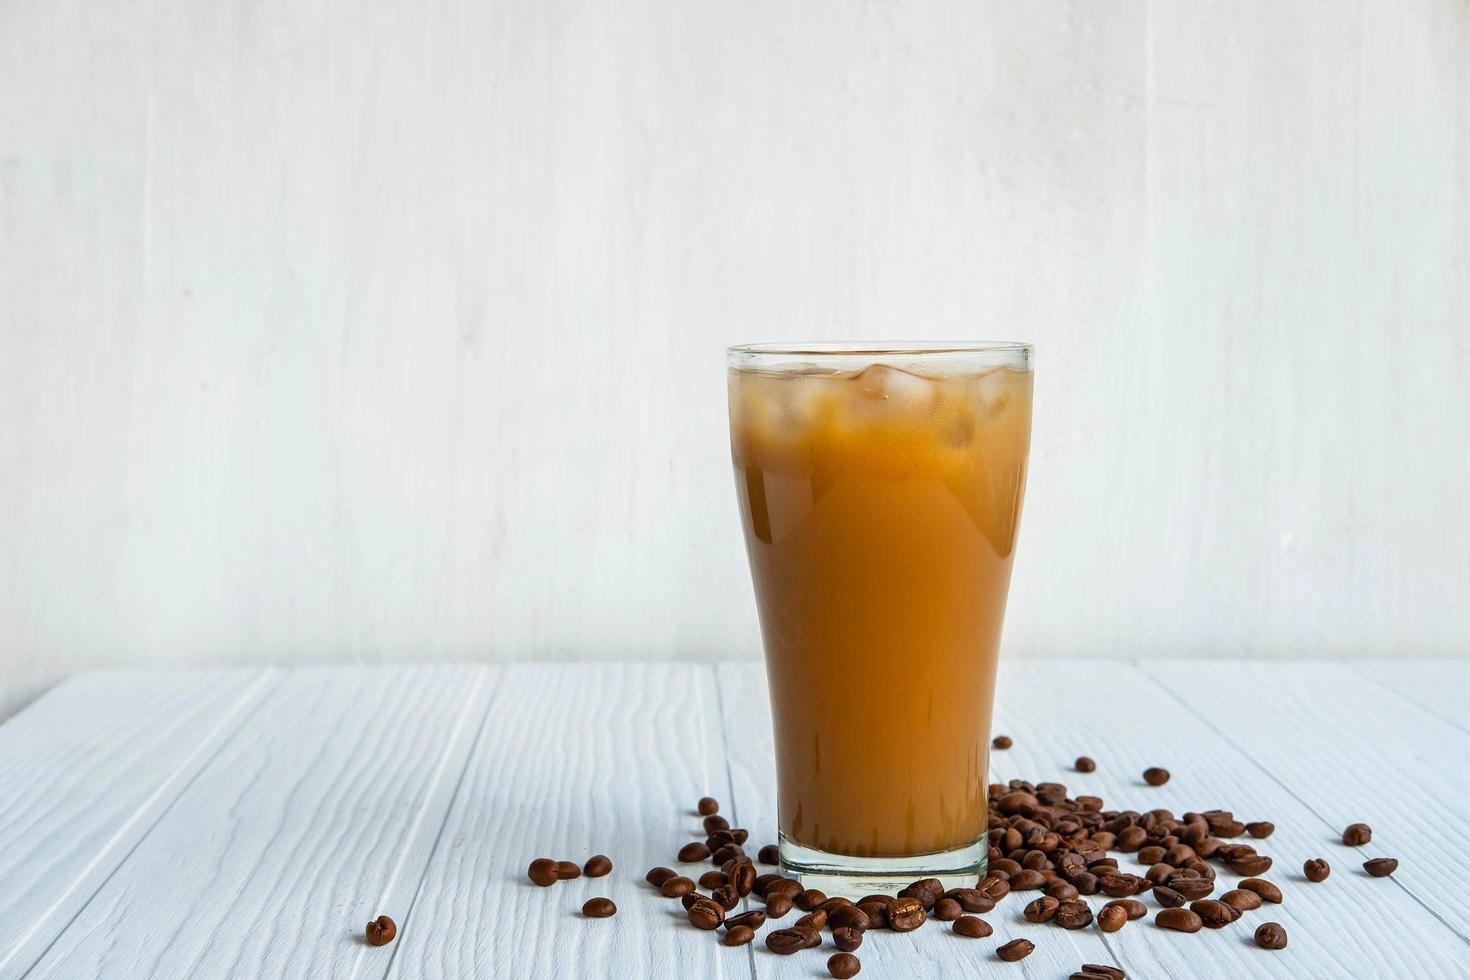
(840, 875)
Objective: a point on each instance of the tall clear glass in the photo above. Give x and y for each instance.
(880, 490)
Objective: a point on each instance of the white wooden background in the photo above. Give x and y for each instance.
(360, 331)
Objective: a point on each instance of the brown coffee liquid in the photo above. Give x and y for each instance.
(880, 512)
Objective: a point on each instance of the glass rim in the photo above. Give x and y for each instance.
(893, 348)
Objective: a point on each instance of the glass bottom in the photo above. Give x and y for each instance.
(840, 875)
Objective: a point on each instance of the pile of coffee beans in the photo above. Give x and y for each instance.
(1041, 840)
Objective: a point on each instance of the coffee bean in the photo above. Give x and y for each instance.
(1152, 854)
(599, 908)
(1092, 971)
(1159, 873)
(1381, 867)
(972, 927)
(693, 851)
(770, 854)
(1075, 914)
(1179, 920)
(676, 886)
(1016, 949)
(708, 806)
(843, 966)
(741, 834)
(947, 910)
(1168, 897)
(1119, 885)
(1061, 890)
(1357, 834)
(728, 897)
(778, 905)
(994, 888)
(715, 822)
(657, 876)
(1263, 888)
(973, 900)
(382, 930)
(905, 915)
(718, 839)
(1001, 742)
(1316, 869)
(1131, 907)
(689, 898)
(1270, 935)
(763, 882)
(755, 918)
(1191, 888)
(738, 935)
(789, 887)
(1084, 764)
(816, 919)
(706, 913)
(1250, 865)
(1112, 918)
(1242, 899)
(597, 866)
(850, 917)
(847, 938)
(1214, 914)
(786, 941)
(1261, 828)
(543, 872)
(1155, 776)
(1041, 910)
(1027, 880)
(810, 899)
(711, 880)
(567, 870)
(1131, 839)
(742, 879)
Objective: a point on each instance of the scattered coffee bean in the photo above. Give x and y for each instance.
(1112, 918)
(1263, 888)
(1155, 776)
(778, 905)
(770, 854)
(847, 938)
(706, 913)
(382, 930)
(849, 917)
(972, 927)
(1061, 889)
(786, 941)
(789, 887)
(755, 918)
(1041, 910)
(1001, 742)
(1250, 865)
(1261, 828)
(1381, 867)
(1357, 834)
(1241, 898)
(1131, 907)
(1168, 897)
(843, 966)
(728, 897)
(567, 870)
(810, 899)
(1016, 949)
(1214, 914)
(708, 806)
(599, 908)
(738, 935)
(689, 898)
(1270, 935)
(741, 834)
(1316, 869)
(947, 910)
(833, 904)
(1179, 920)
(1084, 764)
(1075, 914)
(676, 887)
(1027, 880)
(715, 822)
(1103, 972)
(543, 872)
(693, 851)
(816, 919)
(1191, 888)
(742, 879)
(905, 915)
(657, 876)
(711, 880)
(995, 888)
(597, 866)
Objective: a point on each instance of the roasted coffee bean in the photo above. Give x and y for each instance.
(1155, 776)
(1041, 910)
(994, 888)
(755, 918)
(810, 899)
(689, 898)
(770, 854)
(1016, 949)
(597, 866)
(847, 938)
(657, 876)
(1131, 907)
(789, 887)
(1159, 873)
(1089, 802)
(1085, 882)
(727, 853)
(715, 822)
(718, 839)
(843, 966)
(543, 872)
(1075, 914)
(1357, 834)
(711, 880)
(922, 896)
(599, 908)
(738, 935)
(1316, 869)
(1061, 890)
(382, 930)
(741, 834)
(972, 927)
(1250, 865)
(1260, 828)
(1263, 888)
(728, 897)
(905, 915)
(1105, 972)
(1179, 920)
(1119, 885)
(787, 941)
(1131, 839)
(1242, 899)
(947, 910)
(814, 920)
(1381, 867)
(778, 905)
(929, 885)
(1270, 935)
(1112, 918)
(1026, 880)
(708, 806)
(1191, 888)
(833, 904)
(849, 917)
(813, 936)
(1214, 914)
(1168, 897)
(764, 882)
(1001, 742)
(1005, 866)
(676, 886)
(742, 879)
(974, 900)
(1151, 854)
(693, 851)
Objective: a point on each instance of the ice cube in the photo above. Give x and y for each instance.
(990, 393)
(894, 385)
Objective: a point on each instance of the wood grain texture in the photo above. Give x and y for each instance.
(318, 815)
(86, 772)
(383, 331)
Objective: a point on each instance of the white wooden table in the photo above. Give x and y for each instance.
(240, 823)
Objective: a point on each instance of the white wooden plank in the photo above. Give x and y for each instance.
(1055, 713)
(317, 815)
(1440, 687)
(85, 773)
(1348, 752)
(574, 760)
